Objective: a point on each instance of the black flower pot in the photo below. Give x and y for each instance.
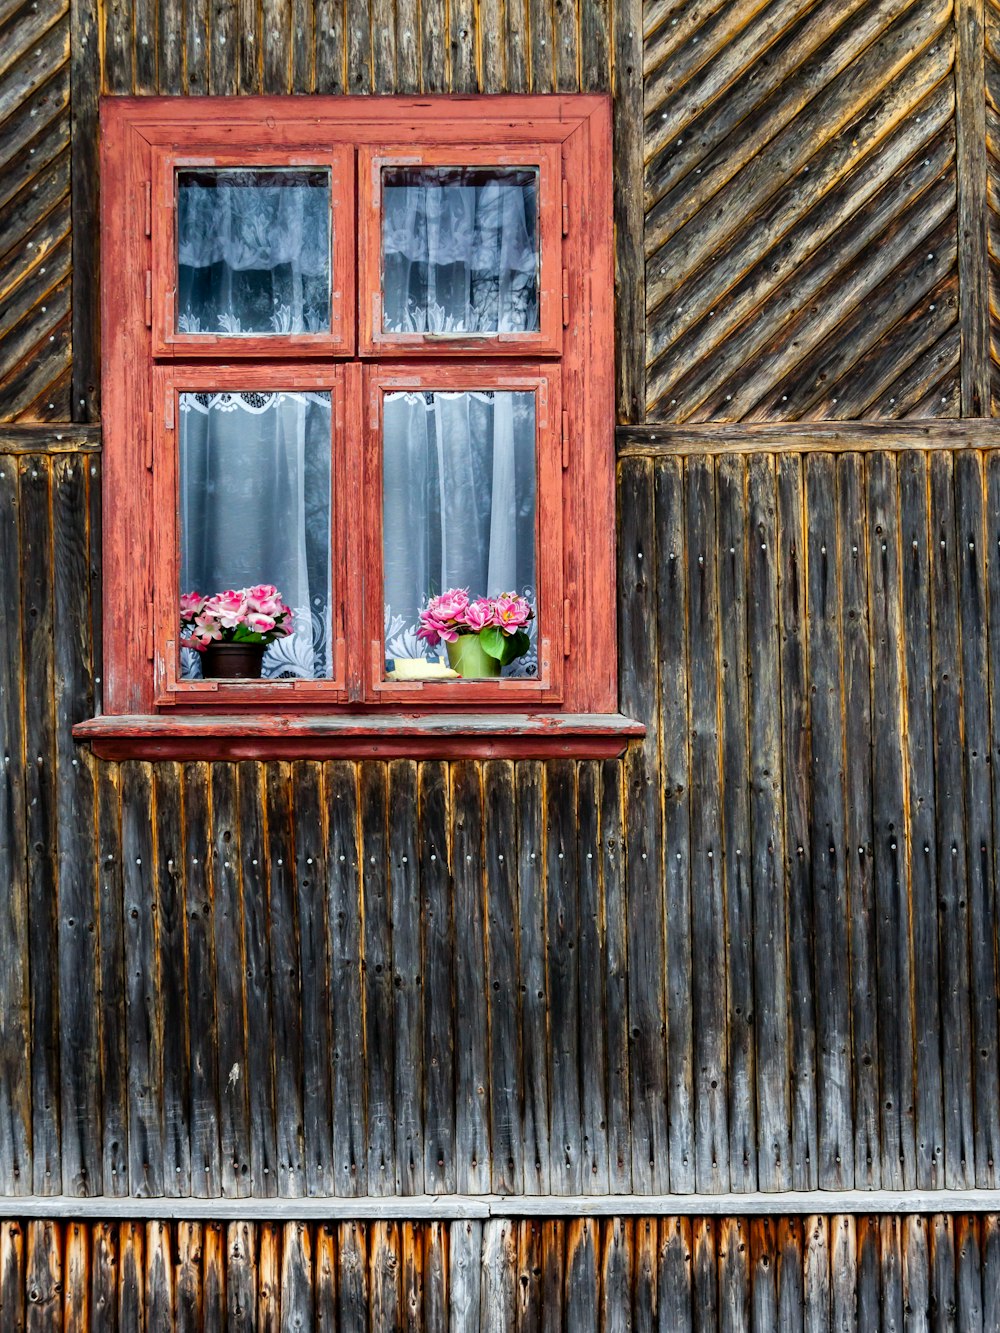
(232, 661)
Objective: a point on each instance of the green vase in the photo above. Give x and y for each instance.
(468, 657)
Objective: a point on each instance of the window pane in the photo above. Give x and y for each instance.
(253, 251)
(255, 509)
(460, 250)
(458, 508)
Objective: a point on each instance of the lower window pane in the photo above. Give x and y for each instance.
(255, 514)
(458, 513)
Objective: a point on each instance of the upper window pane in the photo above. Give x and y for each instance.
(255, 508)
(460, 250)
(253, 251)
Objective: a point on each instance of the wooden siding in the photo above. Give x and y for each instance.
(817, 1273)
(756, 953)
(35, 241)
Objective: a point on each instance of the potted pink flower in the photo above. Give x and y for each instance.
(481, 636)
(231, 629)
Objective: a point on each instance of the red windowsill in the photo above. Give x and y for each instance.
(361, 736)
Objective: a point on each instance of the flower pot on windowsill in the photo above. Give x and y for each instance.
(470, 659)
(232, 661)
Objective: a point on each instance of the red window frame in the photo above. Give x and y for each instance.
(570, 361)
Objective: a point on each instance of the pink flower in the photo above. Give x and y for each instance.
(191, 604)
(511, 612)
(207, 628)
(230, 607)
(441, 615)
(479, 614)
(261, 624)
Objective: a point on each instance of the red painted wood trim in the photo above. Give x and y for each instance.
(361, 735)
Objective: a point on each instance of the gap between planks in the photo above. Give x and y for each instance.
(445, 1207)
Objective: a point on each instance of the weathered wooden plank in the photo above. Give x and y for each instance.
(566, 40)
(435, 1276)
(562, 917)
(971, 553)
(241, 1287)
(197, 45)
(591, 981)
(268, 1276)
(708, 990)
(377, 981)
(384, 1260)
(942, 1266)
(630, 293)
(464, 1251)
(828, 851)
(171, 928)
(256, 951)
(583, 1308)
(643, 848)
(12, 1276)
(188, 1303)
(15, 1004)
(884, 543)
(991, 1269)
(223, 63)
(44, 1275)
(869, 1295)
(843, 1272)
(325, 1275)
(968, 1273)
(86, 74)
(529, 1276)
(463, 43)
(491, 46)
(330, 47)
(433, 46)
(816, 1292)
(952, 832)
(856, 710)
(616, 1030)
(202, 1014)
(553, 1275)
(227, 925)
(916, 1273)
(286, 1012)
(412, 1277)
(214, 1287)
(921, 833)
(159, 1293)
(472, 1141)
(310, 881)
(734, 1274)
(645, 1237)
(791, 1306)
(763, 1273)
(674, 1280)
(529, 779)
(792, 577)
(76, 1279)
(131, 1288)
(276, 47)
(438, 972)
(731, 485)
(407, 979)
(359, 47)
(971, 175)
(890, 1250)
(500, 858)
(704, 1283)
(498, 1272)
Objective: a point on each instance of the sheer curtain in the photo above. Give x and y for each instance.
(255, 508)
(460, 250)
(253, 251)
(458, 505)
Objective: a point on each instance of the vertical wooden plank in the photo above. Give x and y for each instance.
(251, 40)
(504, 989)
(856, 708)
(922, 836)
(990, 1224)
(843, 1273)
(407, 47)
(310, 880)
(37, 667)
(285, 1004)
(256, 950)
(971, 551)
(704, 1274)
(471, 1070)
(891, 864)
(869, 1294)
(763, 1270)
(407, 980)
(241, 1285)
(15, 1002)
(991, 596)
(630, 268)
(637, 656)
(169, 48)
(298, 1309)
(435, 1276)
(352, 1277)
(144, 15)
(433, 48)
(583, 1305)
(731, 484)
(12, 1276)
(942, 1267)
(645, 1245)
(359, 47)
(202, 1022)
(117, 47)
(234, 1100)
(792, 575)
(465, 1244)
(916, 1273)
(76, 1283)
(492, 46)
(595, 46)
(144, 1031)
(377, 977)
(952, 867)
(104, 1274)
(411, 1293)
(438, 972)
(268, 1277)
(131, 1287)
(674, 1279)
(816, 1275)
(971, 173)
(188, 1284)
(44, 1277)
(562, 918)
(529, 782)
(113, 1055)
(791, 1305)
(616, 988)
(325, 1269)
(171, 923)
(216, 1313)
(828, 850)
(541, 52)
(463, 43)
(383, 25)
(304, 41)
(890, 1247)
(85, 75)
(592, 1001)
(224, 29)
(497, 1267)
(734, 1275)
(968, 1274)
(529, 1277)
(767, 832)
(515, 42)
(708, 908)
(567, 45)
(330, 47)
(197, 44)
(159, 1294)
(554, 1272)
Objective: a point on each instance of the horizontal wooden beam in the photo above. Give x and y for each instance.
(802, 437)
(49, 438)
(445, 1207)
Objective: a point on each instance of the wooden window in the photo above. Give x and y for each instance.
(358, 349)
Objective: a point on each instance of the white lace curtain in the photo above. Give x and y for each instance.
(460, 250)
(458, 503)
(255, 508)
(253, 252)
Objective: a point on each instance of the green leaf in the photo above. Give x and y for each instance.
(243, 635)
(493, 643)
(514, 645)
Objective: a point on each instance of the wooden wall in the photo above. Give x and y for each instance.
(757, 953)
(817, 1273)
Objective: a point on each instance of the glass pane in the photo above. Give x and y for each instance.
(458, 510)
(460, 250)
(253, 251)
(255, 510)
